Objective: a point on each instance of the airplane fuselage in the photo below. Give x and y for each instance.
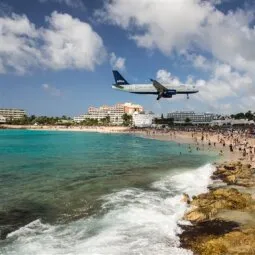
(154, 88)
(149, 89)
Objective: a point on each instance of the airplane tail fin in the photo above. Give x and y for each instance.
(119, 78)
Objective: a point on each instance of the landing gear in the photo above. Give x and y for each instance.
(159, 95)
(187, 96)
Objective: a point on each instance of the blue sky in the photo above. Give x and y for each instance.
(56, 56)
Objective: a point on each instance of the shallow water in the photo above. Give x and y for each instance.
(88, 193)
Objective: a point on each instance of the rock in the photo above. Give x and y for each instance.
(194, 234)
(186, 198)
(236, 242)
(195, 216)
(218, 238)
(229, 167)
(209, 235)
(206, 206)
(231, 179)
(242, 175)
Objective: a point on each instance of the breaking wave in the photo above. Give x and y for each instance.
(131, 221)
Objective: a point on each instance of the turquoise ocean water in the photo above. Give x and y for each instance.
(90, 193)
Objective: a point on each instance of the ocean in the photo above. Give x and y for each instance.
(91, 194)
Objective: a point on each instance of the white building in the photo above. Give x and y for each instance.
(182, 116)
(79, 118)
(232, 122)
(2, 119)
(115, 112)
(12, 114)
(143, 119)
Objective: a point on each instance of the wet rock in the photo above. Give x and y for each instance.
(217, 184)
(191, 234)
(230, 167)
(236, 242)
(218, 237)
(213, 231)
(186, 198)
(195, 216)
(242, 175)
(206, 206)
(231, 179)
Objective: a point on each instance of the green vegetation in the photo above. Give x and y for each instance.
(248, 115)
(106, 121)
(127, 119)
(187, 120)
(41, 120)
(89, 122)
(66, 121)
(95, 122)
(164, 121)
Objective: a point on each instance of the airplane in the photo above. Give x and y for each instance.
(156, 88)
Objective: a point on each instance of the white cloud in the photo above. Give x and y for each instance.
(117, 62)
(195, 29)
(165, 26)
(66, 43)
(70, 43)
(218, 93)
(18, 43)
(226, 84)
(198, 61)
(169, 26)
(51, 90)
(70, 3)
(165, 77)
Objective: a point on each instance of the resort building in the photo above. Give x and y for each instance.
(12, 114)
(183, 116)
(115, 112)
(2, 119)
(231, 122)
(143, 119)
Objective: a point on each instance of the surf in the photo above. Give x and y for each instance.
(130, 221)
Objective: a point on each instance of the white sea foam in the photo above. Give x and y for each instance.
(132, 221)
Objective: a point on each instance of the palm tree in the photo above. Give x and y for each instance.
(187, 120)
(127, 119)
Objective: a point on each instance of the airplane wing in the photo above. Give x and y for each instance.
(159, 87)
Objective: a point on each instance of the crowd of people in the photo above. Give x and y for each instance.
(231, 140)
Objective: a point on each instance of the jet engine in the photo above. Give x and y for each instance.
(169, 93)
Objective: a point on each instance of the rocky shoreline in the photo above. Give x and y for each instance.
(223, 219)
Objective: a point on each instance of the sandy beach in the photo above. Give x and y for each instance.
(100, 129)
(243, 146)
